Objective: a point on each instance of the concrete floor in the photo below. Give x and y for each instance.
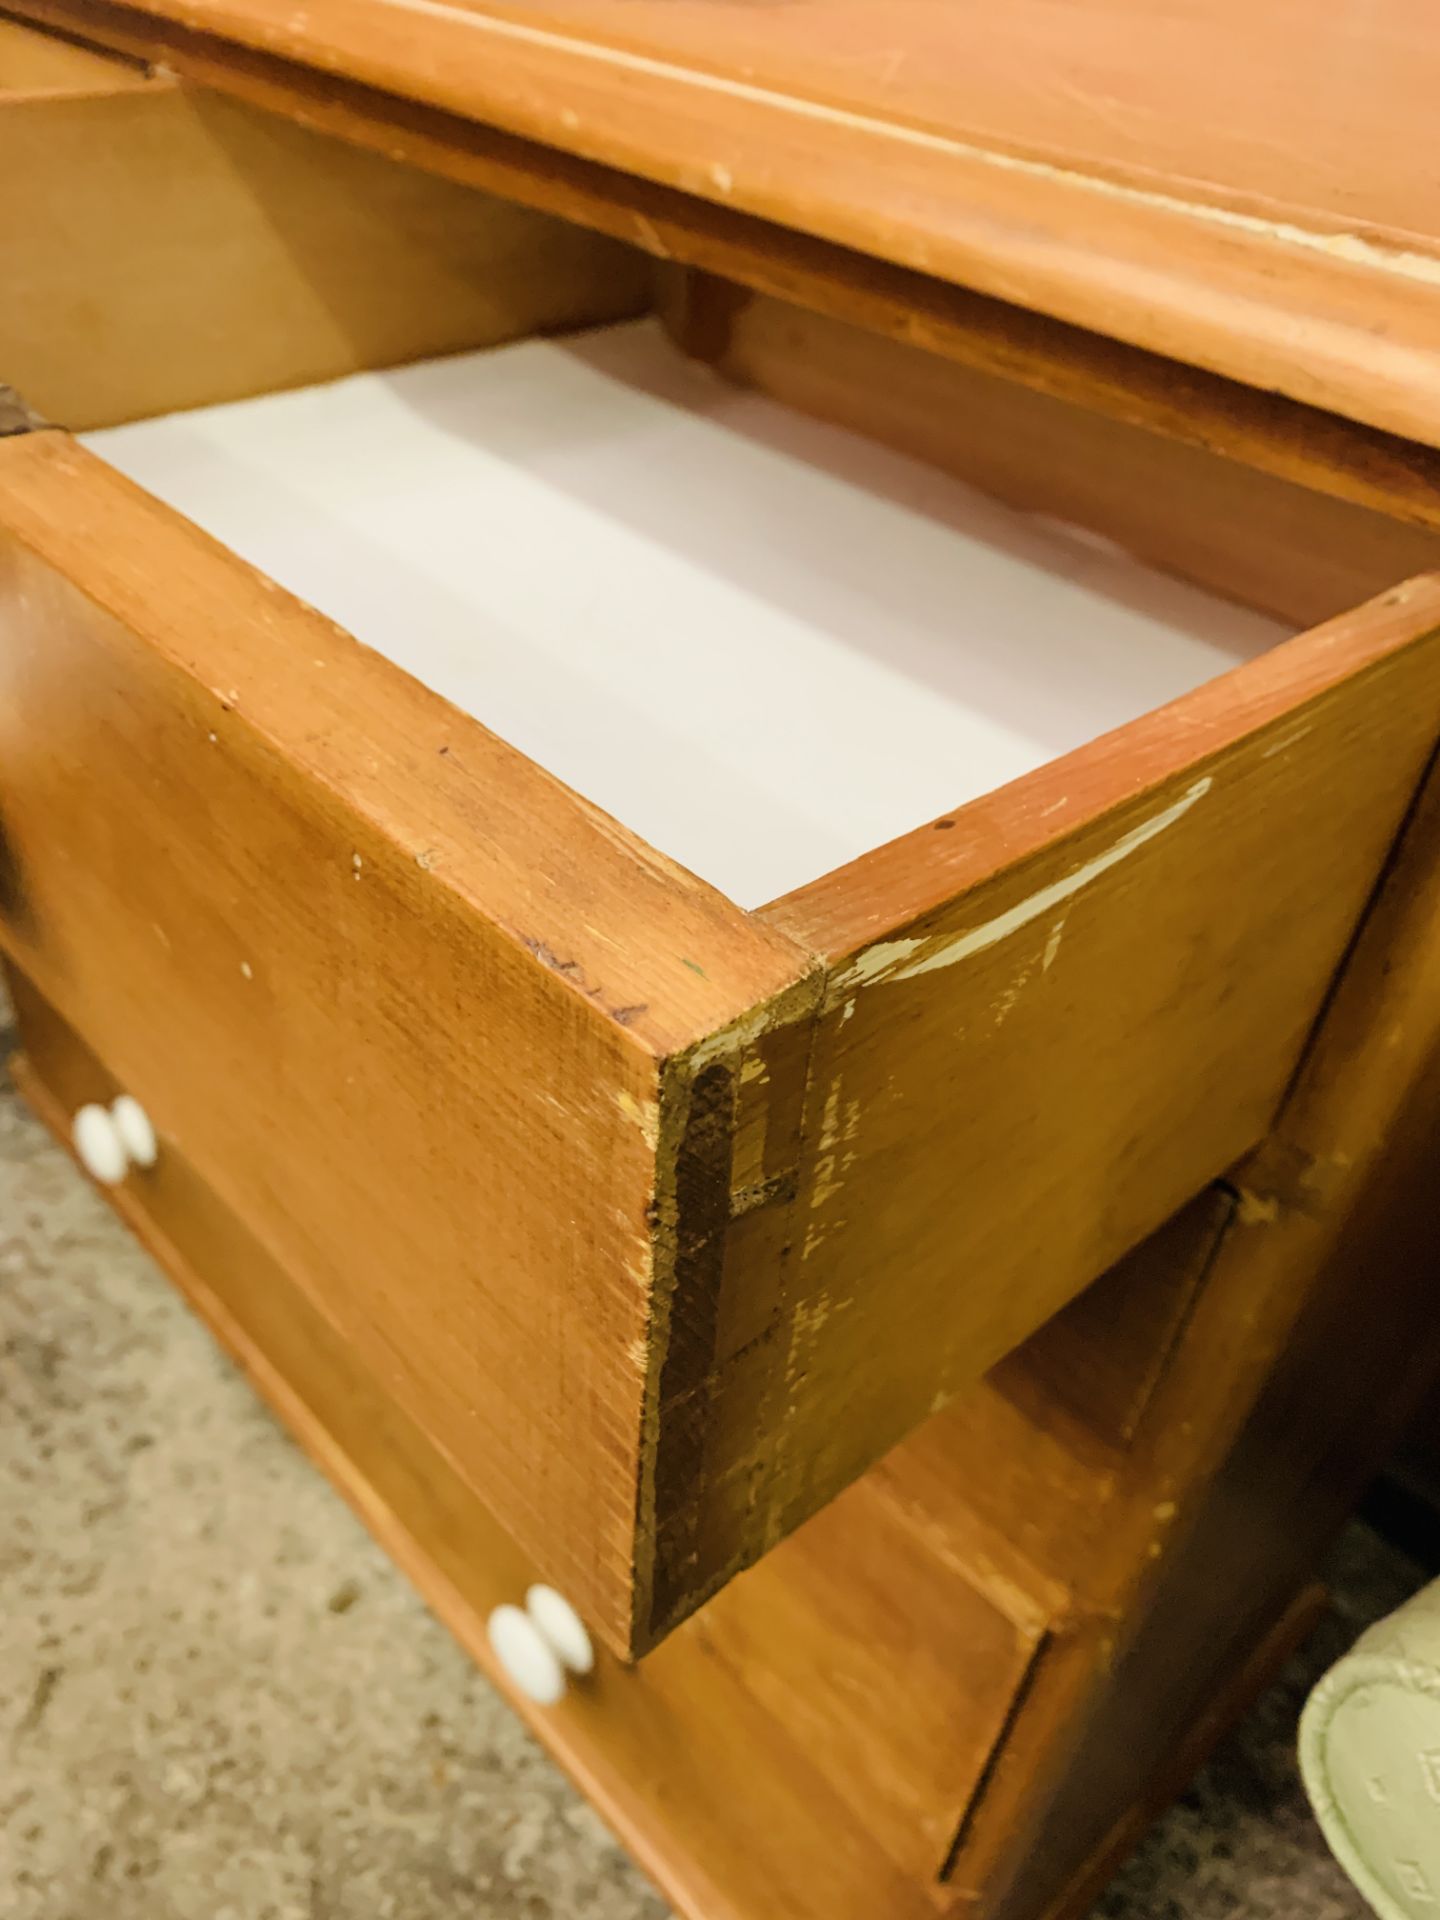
(219, 1702)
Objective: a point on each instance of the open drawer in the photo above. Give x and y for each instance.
(747, 928)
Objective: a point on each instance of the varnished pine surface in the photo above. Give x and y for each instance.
(1233, 186)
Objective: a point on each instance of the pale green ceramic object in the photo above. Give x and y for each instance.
(1370, 1756)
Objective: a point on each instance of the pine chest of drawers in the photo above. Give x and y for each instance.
(676, 876)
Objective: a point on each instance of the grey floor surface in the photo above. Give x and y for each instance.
(219, 1702)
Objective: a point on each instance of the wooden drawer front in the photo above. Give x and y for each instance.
(660, 1218)
(838, 1704)
(404, 1001)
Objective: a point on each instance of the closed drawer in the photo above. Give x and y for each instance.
(746, 929)
(777, 1703)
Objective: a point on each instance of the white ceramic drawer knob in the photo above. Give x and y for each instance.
(526, 1656)
(562, 1626)
(110, 1140)
(98, 1145)
(537, 1644)
(133, 1125)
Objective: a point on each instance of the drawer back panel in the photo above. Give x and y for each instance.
(1250, 535)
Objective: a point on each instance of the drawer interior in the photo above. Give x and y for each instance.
(763, 642)
(770, 612)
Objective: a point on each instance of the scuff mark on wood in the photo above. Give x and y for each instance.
(1290, 738)
(764, 1193)
(893, 960)
(644, 1114)
(572, 971)
(1052, 945)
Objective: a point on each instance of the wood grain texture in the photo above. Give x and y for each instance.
(1236, 529)
(34, 64)
(1206, 232)
(430, 1022)
(1101, 1359)
(1313, 1340)
(789, 1752)
(1305, 443)
(173, 248)
(1096, 1008)
(741, 1177)
(771, 1716)
(1006, 1093)
(1174, 105)
(1162, 1564)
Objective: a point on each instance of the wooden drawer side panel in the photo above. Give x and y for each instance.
(1014, 1087)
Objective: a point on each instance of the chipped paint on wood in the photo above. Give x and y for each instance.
(731, 1042)
(645, 1114)
(1005, 1002)
(701, 1146)
(893, 960)
(1257, 1210)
